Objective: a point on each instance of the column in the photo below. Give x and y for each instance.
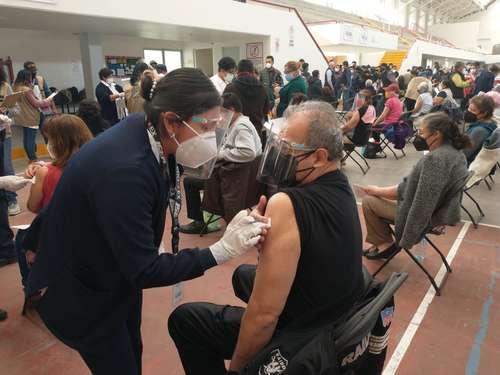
(92, 61)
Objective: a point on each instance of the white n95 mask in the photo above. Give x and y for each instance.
(198, 155)
(197, 151)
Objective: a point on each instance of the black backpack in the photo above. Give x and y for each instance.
(372, 150)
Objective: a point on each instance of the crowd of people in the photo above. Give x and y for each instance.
(209, 134)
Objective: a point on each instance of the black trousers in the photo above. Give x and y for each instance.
(193, 187)
(205, 334)
(410, 104)
(118, 351)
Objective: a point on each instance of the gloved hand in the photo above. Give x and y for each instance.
(242, 233)
(13, 183)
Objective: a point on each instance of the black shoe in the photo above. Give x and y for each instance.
(3, 315)
(376, 254)
(8, 260)
(370, 250)
(194, 227)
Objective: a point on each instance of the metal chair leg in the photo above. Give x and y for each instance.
(487, 184)
(443, 258)
(364, 159)
(476, 203)
(359, 165)
(474, 223)
(431, 279)
(210, 220)
(386, 263)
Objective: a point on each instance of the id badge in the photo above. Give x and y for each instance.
(177, 294)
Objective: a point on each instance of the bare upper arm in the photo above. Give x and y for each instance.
(278, 259)
(36, 193)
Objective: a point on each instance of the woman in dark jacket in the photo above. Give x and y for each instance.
(295, 84)
(107, 93)
(102, 230)
(315, 89)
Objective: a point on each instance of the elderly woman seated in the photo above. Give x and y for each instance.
(232, 186)
(413, 204)
(424, 100)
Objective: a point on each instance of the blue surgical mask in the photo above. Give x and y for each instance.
(289, 77)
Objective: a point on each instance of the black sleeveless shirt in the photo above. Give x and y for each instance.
(329, 272)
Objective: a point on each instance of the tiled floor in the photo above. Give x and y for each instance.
(456, 333)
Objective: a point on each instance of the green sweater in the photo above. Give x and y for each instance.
(297, 84)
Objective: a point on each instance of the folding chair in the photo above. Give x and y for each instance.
(349, 149)
(385, 143)
(341, 115)
(475, 221)
(354, 343)
(360, 138)
(457, 188)
(213, 218)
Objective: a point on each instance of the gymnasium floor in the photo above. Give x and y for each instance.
(456, 333)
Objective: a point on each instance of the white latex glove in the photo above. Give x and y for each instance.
(242, 233)
(13, 183)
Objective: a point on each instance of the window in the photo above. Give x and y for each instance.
(171, 58)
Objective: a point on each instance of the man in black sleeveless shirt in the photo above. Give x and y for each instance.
(310, 261)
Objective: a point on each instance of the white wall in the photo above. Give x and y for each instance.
(353, 35)
(59, 61)
(464, 34)
(371, 58)
(57, 55)
(353, 53)
(236, 17)
(419, 48)
(489, 26)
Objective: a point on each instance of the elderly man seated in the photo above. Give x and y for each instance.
(310, 262)
(232, 186)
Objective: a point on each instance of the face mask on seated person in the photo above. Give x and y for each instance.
(279, 163)
(470, 117)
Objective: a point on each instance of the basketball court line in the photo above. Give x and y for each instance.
(419, 315)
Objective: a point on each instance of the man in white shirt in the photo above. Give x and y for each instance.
(225, 75)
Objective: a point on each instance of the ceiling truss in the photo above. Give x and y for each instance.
(443, 10)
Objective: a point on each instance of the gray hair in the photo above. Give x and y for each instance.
(324, 129)
(423, 87)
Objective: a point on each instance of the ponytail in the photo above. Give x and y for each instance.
(439, 121)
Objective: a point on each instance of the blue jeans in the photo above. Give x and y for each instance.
(29, 142)
(8, 168)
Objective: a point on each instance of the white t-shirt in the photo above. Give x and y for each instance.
(426, 98)
(219, 83)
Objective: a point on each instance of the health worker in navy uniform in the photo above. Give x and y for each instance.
(101, 233)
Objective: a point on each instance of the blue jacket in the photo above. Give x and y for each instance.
(100, 237)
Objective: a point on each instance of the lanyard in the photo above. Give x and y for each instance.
(170, 171)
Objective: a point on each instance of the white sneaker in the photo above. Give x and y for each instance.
(14, 209)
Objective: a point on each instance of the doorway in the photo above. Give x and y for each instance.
(204, 60)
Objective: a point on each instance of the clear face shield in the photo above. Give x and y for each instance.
(198, 154)
(278, 166)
